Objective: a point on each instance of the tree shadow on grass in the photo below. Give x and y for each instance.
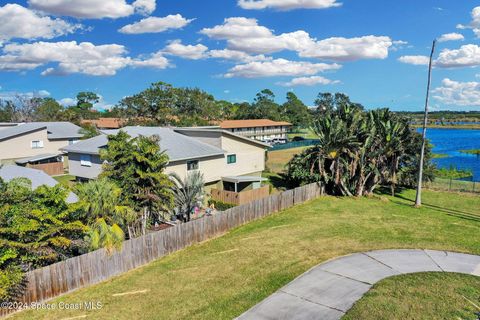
(449, 211)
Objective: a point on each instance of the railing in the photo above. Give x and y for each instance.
(454, 185)
(240, 198)
(98, 266)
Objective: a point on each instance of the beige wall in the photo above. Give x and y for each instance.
(250, 156)
(21, 147)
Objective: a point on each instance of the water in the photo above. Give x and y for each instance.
(449, 142)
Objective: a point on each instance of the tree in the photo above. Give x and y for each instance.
(48, 110)
(37, 228)
(100, 200)
(102, 235)
(357, 151)
(187, 192)
(86, 100)
(296, 111)
(137, 166)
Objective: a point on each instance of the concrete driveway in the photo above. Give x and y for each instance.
(330, 289)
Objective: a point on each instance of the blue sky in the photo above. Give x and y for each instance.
(373, 50)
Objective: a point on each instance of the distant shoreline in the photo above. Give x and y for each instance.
(435, 126)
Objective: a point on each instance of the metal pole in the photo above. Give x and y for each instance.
(418, 199)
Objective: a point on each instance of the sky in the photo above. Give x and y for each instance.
(375, 51)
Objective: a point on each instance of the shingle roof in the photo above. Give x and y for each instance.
(62, 130)
(177, 146)
(56, 130)
(231, 124)
(37, 177)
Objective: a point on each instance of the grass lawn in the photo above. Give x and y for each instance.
(420, 296)
(305, 133)
(278, 159)
(223, 277)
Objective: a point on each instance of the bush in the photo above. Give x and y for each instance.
(221, 206)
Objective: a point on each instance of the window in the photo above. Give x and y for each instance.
(72, 141)
(85, 160)
(37, 144)
(192, 165)
(231, 158)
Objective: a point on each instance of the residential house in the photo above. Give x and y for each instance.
(36, 177)
(106, 123)
(259, 129)
(36, 142)
(221, 156)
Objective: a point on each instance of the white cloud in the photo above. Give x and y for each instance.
(228, 54)
(67, 102)
(288, 4)
(73, 57)
(474, 24)
(308, 81)
(458, 93)
(415, 60)
(245, 34)
(347, 49)
(278, 67)
(156, 24)
(466, 56)
(193, 52)
(145, 7)
(94, 9)
(20, 22)
(451, 37)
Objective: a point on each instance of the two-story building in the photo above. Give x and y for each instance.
(259, 129)
(227, 161)
(37, 143)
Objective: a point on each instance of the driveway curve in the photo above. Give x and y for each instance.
(330, 289)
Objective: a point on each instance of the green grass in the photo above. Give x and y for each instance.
(420, 296)
(223, 277)
(475, 152)
(452, 185)
(65, 180)
(439, 155)
(277, 160)
(305, 133)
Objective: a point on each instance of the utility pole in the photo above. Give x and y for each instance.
(418, 199)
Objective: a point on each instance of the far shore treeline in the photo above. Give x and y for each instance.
(163, 104)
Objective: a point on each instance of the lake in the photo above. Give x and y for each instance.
(449, 142)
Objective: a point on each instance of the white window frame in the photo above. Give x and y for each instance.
(36, 144)
(85, 160)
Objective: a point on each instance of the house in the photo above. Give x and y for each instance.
(37, 142)
(219, 155)
(259, 129)
(36, 177)
(106, 123)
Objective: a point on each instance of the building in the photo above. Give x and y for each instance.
(106, 123)
(36, 177)
(259, 129)
(219, 155)
(36, 142)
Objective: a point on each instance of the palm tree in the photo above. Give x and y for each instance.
(187, 192)
(101, 235)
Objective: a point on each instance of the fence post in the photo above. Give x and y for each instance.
(450, 185)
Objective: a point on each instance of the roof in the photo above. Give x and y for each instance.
(55, 130)
(37, 177)
(19, 130)
(62, 130)
(177, 146)
(228, 133)
(107, 123)
(238, 179)
(231, 124)
(37, 158)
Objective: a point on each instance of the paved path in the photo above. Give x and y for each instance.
(330, 289)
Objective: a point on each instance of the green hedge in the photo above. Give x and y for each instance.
(221, 206)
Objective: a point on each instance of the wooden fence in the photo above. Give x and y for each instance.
(97, 266)
(52, 168)
(240, 198)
